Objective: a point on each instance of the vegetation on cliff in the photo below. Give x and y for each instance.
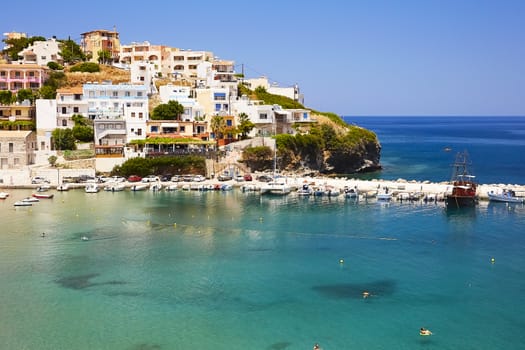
(328, 146)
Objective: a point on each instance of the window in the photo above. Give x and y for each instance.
(139, 131)
(64, 110)
(132, 114)
(154, 128)
(75, 109)
(219, 96)
(229, 122)
(115, 93)
(78, 97)
(263, 116)
(139, 93)
(18, 112)
(91, 94)
(127, 94)
(141, 115)
(64, 122)
(11, 147)
(183, 128)
(217, 107)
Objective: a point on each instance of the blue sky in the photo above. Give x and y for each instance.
(349, 57)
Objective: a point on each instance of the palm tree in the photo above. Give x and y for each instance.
(218, 125)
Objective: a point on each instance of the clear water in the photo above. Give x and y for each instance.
(239, 271)
(190, 270)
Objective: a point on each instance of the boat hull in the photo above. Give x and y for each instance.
(454, 202)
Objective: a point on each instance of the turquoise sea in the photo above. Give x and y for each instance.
(232, 270)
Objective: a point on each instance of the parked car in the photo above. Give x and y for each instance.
(117, 179)
(224, 177)
(199, 178)
(150, 178)
(39, 180)
(264, 178)
(247, 177)
(239, 178)
(176, 178)
(134, 178)
(187, 177)
(166, 177)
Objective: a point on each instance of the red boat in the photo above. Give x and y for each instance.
(43, 195)
(463, 184)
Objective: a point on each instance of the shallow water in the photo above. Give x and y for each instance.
(238, 271)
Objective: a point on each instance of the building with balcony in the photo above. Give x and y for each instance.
(41, 53)
(70, 102)
(100, 40)
(119, 114)
(182, 64)
(17, 76)
(24, 111)
(143, 52)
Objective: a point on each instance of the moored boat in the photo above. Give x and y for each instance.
(91, 188)
(63, 187)
(4, 195)
(43, 195)
(463, 185)
(276, 188)
(507, 196)
(22, 204)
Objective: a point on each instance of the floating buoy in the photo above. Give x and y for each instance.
(174, 224)
(341, 261)
(492, 260)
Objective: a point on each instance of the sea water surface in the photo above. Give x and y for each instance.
(233, 270)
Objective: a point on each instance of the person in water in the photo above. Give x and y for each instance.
(424, 331)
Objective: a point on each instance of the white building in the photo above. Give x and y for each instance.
(143, 72)
(70, 101)
(41, 53)
(292, 92)
(119, 113)
(46, 122)
(182, 94)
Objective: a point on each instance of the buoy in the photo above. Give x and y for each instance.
(174, 224)
(493, 260)
(341, 261)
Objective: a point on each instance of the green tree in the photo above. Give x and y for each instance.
(71, 51)
(218, 126)
(52, 160)
(168, 111)
(63, 139)
(47, 92)
(83, 133)
(6, 97)
(54, 66)
(245, 125)
(104, 57)
(25, 94)
(80, 120)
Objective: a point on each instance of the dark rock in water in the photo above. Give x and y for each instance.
(280, 345)
(355, 290)
(77, 282)
(84, 281)
(145, 346)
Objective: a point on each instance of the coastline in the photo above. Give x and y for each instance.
(399, 188)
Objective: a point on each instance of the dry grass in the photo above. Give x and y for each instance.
(115, 75)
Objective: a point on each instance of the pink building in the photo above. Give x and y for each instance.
(14, 77)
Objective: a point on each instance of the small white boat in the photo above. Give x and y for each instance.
(141, 187)
(384, 196)
(63, 187)
(351, 193)
(4, 195)
(43, 188)
(155, 187)
(114, 187)
(507, 196)
(30, 200)
(276, 188)
(91, 188)
(43, 195)
(305, 191)
(22, 204)
(172, 187)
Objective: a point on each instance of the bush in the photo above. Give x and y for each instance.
(87, 67)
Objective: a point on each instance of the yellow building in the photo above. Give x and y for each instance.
(98, 40)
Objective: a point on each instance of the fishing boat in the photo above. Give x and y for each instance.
(507, 196)
(463, 185)
(91, 188)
